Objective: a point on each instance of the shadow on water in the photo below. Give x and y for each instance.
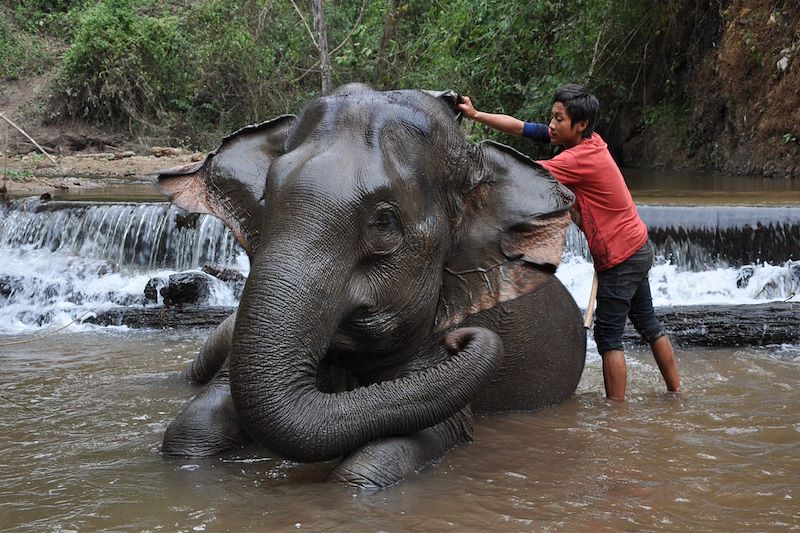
(81, 447)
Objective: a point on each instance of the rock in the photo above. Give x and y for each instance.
(5, 198)
(188, 316)
(123, 155)
(187, 288)
(152, 288)
(165, 151)
(187, 220)
(232, 277)
(783, 64)
(744, 275)
(729, 325)
(9, 284)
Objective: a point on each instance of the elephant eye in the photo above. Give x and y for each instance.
(385, 230)
(384, 220)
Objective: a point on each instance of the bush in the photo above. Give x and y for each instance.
(44, 16)
(239, 63)
(122, 65)
(20, 53)
(208, 68)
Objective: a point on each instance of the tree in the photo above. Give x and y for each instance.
(322, 44)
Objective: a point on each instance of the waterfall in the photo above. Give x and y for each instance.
(59, 260)
(709, 237)
(131, 235)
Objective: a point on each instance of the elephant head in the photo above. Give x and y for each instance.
(374, 228)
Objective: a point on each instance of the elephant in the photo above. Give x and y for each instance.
(402, 281)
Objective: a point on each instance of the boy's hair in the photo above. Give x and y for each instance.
(580, 105)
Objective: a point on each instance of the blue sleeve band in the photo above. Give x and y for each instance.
(539, 133)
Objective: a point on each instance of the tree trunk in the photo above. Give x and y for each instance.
(389, 28)
(322, 42)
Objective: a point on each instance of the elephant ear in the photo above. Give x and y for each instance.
(509, 236)
(229, 184)
(451, 99)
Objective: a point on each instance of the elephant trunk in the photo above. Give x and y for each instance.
(285, 324)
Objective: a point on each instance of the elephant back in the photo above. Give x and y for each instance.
(545, 349)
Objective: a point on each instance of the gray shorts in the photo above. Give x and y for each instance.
(623, 292)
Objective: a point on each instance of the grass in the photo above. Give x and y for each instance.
(18, 175)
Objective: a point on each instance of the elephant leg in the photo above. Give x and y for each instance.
(387, 461)
(214, 352)
(207, 426)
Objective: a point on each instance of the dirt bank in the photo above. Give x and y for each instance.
(36, 174)
(741, 74)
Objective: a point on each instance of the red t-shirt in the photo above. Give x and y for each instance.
(608, 215)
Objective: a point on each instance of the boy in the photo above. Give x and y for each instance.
(618, 240)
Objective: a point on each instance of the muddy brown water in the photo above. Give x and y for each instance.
(703, 188)
(83, 413)
(648, 187)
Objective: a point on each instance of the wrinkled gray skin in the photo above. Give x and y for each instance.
(401, 278)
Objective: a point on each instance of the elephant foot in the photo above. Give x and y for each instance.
(208, 426)
(387, 461)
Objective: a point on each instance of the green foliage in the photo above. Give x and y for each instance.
(124, 63)
(756, 54)
(20, 53)
(238, 68)
(18, 175)
(197, 69)
(210, 67)
(44, 16)
(670, 116)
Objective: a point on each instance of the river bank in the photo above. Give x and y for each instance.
(34, 174)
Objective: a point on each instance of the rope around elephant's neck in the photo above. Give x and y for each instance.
(6, 398)
(48, 334)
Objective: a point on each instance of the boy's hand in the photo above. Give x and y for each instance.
(467, 109)
(504, 123)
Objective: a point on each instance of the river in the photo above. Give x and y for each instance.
(83, 410)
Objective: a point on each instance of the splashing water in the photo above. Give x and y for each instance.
(61, 260)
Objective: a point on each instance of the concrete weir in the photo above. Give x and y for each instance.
(704, 325)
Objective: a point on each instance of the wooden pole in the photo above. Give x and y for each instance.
(29, 138)
(589, 316)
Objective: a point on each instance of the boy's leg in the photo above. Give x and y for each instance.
(617, 288)
(615, 374)
(614, 290)
(644, 320)
(665, 359)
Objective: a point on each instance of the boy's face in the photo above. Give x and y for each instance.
(562, 129)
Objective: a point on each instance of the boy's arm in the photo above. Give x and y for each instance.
(504, 123)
